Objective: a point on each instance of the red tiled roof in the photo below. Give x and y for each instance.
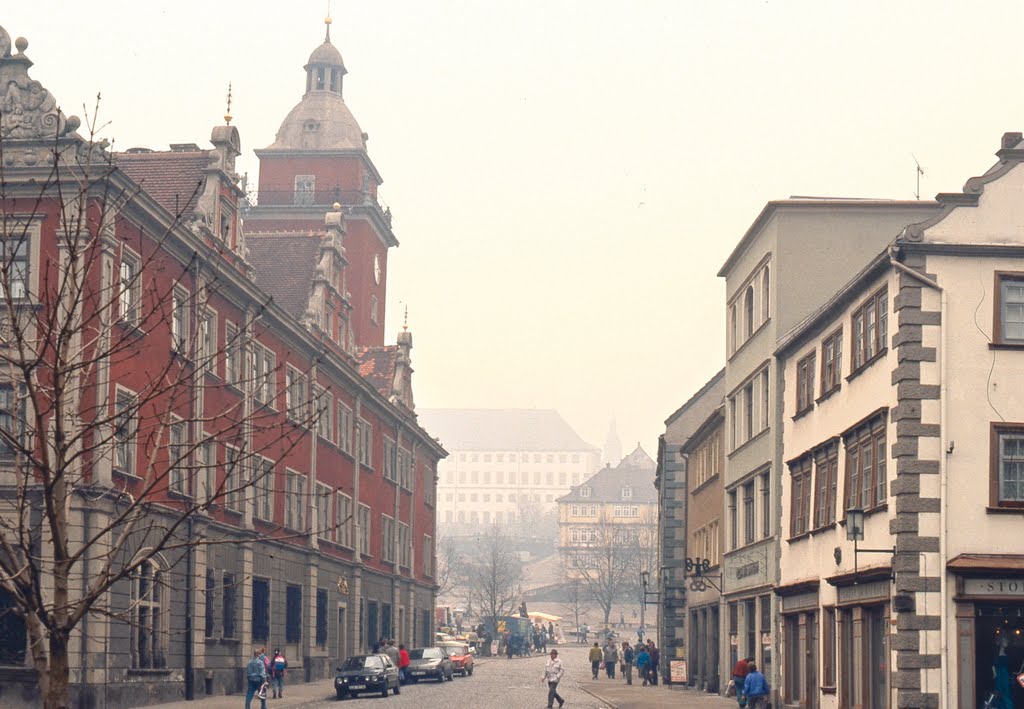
(377, 365)
(174, 179)
(285, 264)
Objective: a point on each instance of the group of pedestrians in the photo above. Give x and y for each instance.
(751, 686)
(644, 656)
(398, 655)
(265, 673)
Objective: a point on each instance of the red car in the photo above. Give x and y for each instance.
(462, 659)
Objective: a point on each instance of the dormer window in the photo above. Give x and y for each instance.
(627, 493)
(585, 491)
(305, 189)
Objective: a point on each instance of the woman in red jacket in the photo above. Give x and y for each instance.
(403, 662)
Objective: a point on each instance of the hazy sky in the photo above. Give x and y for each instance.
(567, 177)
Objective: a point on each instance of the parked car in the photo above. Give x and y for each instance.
(461, 657)
(360, 674)
(429, 663)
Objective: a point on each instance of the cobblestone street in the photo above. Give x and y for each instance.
(497, 683)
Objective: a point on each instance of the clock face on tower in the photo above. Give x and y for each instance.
(376, 269)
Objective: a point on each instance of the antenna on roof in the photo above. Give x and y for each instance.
(918, 173)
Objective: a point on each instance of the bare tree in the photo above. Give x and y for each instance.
(493, 577)
(97, 484)
(577, 600)
(604, 564)
(449, 565)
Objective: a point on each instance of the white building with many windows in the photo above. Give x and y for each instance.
(505, 467)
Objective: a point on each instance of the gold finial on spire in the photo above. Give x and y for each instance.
(227, 114)
(328, 21)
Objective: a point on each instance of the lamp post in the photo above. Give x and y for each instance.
(645, 580)
(855, 533)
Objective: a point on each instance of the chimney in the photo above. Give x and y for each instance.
(1010, 140)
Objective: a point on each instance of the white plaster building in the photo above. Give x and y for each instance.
(901, 398)
(505, 465)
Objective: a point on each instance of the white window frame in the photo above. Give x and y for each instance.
(294, 506)
(345, 419)
(178, 478)
(264, 474)
(365, 429)
(387, 533)
(342, 523)
(130, 285)
(206, 343)
(304, 194)
(179, 321)
(234, 477)
(323, 510)
(365, 525)
(324, 403)
(123, 437)
(233, 349)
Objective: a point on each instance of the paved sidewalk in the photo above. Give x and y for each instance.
(295, 695)
(617, 694)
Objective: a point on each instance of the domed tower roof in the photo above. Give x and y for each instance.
(321, 120)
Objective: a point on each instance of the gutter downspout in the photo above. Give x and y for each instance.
(943, 472)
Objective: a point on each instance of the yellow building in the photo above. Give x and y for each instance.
(615, 506)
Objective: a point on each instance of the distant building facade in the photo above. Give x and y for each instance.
(505, 465)
(622, 498)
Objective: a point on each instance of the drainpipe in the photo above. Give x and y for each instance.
(189, 661)
(84, 641)
(943, 470)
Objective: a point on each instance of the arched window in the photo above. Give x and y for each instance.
(734, 331)
(148, 599)
(765, 293)
(748, 310)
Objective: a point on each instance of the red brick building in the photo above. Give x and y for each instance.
(286, 429)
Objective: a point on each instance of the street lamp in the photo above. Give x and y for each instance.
(855, 533)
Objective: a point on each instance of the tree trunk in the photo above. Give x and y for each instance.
(55, 692)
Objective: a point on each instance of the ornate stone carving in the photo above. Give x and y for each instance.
(27, 110)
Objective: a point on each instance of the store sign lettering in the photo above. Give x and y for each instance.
(994, 587)
(747, 570)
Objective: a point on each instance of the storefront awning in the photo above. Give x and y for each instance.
(987, 565)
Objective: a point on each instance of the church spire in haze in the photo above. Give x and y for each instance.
(612, 454)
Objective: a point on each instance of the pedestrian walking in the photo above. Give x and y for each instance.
(553, 675)
(596, 657)
(277, 667)
(739, 676)
(655, 661)
(551, 631)
(627, 662)
(391, 651)
(643, 661)
(256, 674)
(611, 657)
(755, 688)
(640, 632)
(403, 663)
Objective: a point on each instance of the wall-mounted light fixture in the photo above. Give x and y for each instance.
(855, 533)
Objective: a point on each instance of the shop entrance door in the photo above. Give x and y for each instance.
(877, 657)
(999, 633)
